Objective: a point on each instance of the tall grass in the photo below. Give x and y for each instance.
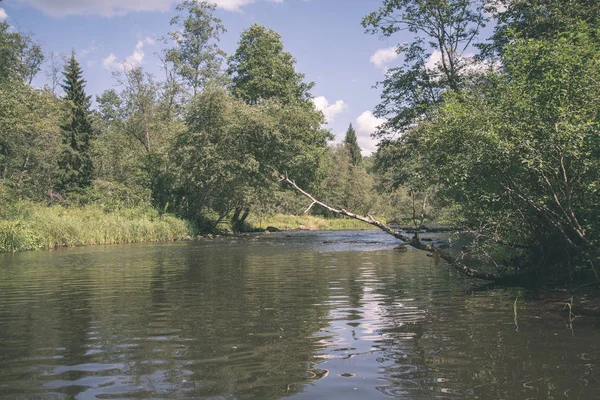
(30, 226)
(284, 222)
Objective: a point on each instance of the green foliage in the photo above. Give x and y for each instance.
(196, 57)
(210, 168)
(29, 226)
(538, 19)
(186, 144)
(228, 156)
(20, 57)
(76, 167)
(109, 105)
(30, 140)
(346, 185)
(442, 28)
(520, 154)
(261, 70)
(351, 144)
(515, 150)
(136, 133)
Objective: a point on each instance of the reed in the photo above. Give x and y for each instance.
(30, 226)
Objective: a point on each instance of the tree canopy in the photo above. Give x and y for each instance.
(260, 69)
(515, 150)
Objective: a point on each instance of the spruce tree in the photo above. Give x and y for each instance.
(76, 163)
(352, 145)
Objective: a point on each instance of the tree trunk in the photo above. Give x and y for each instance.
(237, 221)
(245, 215)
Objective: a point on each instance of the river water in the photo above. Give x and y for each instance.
(307, 315)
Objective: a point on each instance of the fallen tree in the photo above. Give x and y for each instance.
(415, 242)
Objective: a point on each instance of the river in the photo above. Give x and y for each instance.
(306, 315)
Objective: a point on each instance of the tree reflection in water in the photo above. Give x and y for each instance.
(291, 317)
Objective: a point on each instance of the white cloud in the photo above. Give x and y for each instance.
(366, 125)
(136, 59)
(142, 42)
(330, 111)
(87, 51)
(383, 56)
(468, 65)
(236, 5)
(434, 60)
(3, 14)
(108, 8)
(111, 62)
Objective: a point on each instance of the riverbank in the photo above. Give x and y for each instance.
(307, 222)
(31, 226)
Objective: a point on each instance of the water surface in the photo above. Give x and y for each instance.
(315, 315)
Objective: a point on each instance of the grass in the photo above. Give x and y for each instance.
(286, 222)
(30, 226)
(26, 225)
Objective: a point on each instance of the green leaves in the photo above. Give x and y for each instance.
(229, 154)
(196, 57)
(434, 62)
(351, 144)
(517, 154)
(261, 70)
(76, 168)
(30, 139)
(20, 56)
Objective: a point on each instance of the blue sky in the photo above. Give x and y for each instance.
(325, 37)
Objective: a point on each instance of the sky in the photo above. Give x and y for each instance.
(325, 37)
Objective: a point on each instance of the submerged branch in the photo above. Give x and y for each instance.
(456, 262)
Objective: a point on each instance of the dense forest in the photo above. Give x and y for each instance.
(497, 135)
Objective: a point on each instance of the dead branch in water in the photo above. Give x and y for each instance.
(456, 262)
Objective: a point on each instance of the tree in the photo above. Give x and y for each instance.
(54, 69)
(351, 144)
(226, 160)
(109, 105)
(260, 69)
(519, 154)
(537, 19)
(76, 163)
(346, 185)
(213, 168)
(263, 75)
(20, 56)
(196, 57)
(136, 133)
(436, 60)
(30, 139)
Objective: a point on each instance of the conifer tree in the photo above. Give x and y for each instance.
(76, 163)
(351, 144)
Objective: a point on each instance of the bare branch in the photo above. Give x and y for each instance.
(309, 207)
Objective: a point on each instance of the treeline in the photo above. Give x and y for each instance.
(502, 132)
(507, 135)
(205, 142)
